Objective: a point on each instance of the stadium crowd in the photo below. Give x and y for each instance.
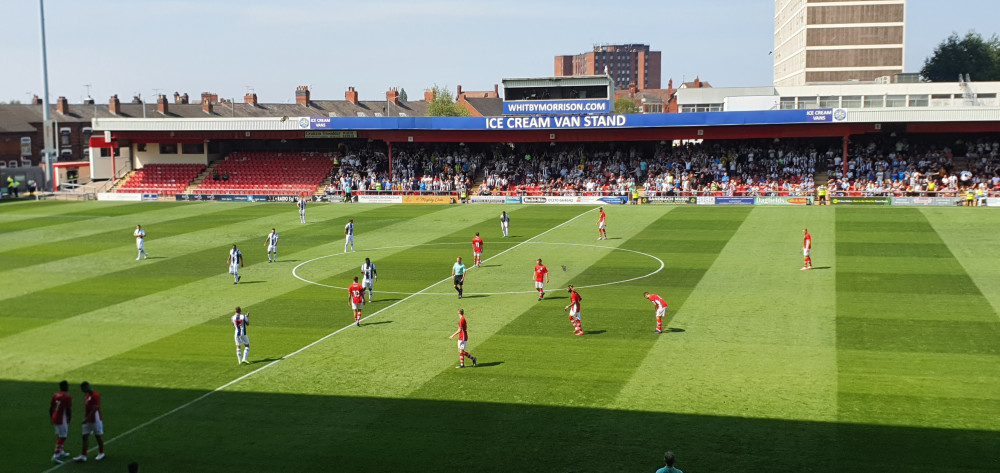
(878, 165)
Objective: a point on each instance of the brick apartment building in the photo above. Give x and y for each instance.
(625, 63)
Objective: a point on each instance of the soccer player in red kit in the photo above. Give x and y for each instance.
(463, 340)
(357, 296)
(661, 309)
(574, 310)
(807, 246)
(602, 232)
(541, 277)
(60, 412)
(93, 423)
(477, 250)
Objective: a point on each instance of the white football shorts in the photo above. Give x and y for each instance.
(62, 430)
(242, 340)
(462, 344)
(573, 313)
(539, 285)
(357, 305)
(661, 311)
(367, 283)
(806, 251)
(96, 428)
(272, 248)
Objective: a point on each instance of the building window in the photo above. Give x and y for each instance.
(197, 148)
(919, 101)
(168, 149)
(140, 147)
(986, 96)
(895, 101)
(808, 102)
(829, 102)
(851, 101)
(787, 103)
(874, 101)
(64, 134)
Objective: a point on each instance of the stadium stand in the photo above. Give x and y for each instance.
(268, 173)
(165, 179)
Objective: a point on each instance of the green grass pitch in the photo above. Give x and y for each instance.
(885, 357)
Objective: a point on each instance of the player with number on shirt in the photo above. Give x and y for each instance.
(93, 423)
(661, 309)
(477, 250)
(602, 231)
(463, 340)
(61, 411)
(574, 310)
(240, 322)
(356, 293)
(807, 246)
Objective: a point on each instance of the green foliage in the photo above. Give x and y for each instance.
(444, 104)
(625, 106)
(402, 95)
(972, 55)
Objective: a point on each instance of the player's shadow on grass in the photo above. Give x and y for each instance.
(821, 267)
(287, 261)
(594, 332)
(674, 330)
(249, 282)
(474, 296)
(491, 266)
(489, 364)
(385, 300)
(377, 323)
(264, 360)
(156, 257)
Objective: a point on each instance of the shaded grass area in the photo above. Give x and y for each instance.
(285, 432)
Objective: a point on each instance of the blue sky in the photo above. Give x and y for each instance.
(224, 46)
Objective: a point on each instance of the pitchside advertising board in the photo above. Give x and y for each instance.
(571, 200)
(672, 200)
(861, 201)
(783, 200)
(575, 120)
(226, 198)
(734, 201)
(927, 201)
(493, 199)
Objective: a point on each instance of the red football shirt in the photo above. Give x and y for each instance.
(477, 245)
(463, 329)
(92, 406)
(61, 404)
(657, 301)
(807, 242)
(602, 217)
(357, 293)
(574, 300)
(540, 272)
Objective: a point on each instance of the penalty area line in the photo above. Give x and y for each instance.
(296, 352)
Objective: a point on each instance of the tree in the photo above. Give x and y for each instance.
(972, 55)
(444, 104)
(402, 95)
(625, 106)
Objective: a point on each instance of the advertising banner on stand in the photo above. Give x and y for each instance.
(734, 201)
(429, 199)
(150, 197)
(783, 200)
(572, 200)
(705, 200)
(872, 200)
(993, 201)
(328, 199)
(283, 198)
(927, 201)
(380, 199)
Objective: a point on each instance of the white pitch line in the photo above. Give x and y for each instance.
(296, 352)
(613, 248)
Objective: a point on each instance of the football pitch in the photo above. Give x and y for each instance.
(884, 357)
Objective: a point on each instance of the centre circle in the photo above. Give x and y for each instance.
(396, 247)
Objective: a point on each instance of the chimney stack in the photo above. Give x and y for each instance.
(632, 88)
(496, 90)
(206, 105)
(177, 98)
(114, 106)
(459, 94)
(250, 99)
(209, 97)
(36, 100)
(62, 106)
(670, 84)
(161, 104)
(697, 82)
(351, 95)
(428, 95)
(392, 95)
(302, 95)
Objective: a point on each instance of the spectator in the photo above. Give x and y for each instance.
(668, 458)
